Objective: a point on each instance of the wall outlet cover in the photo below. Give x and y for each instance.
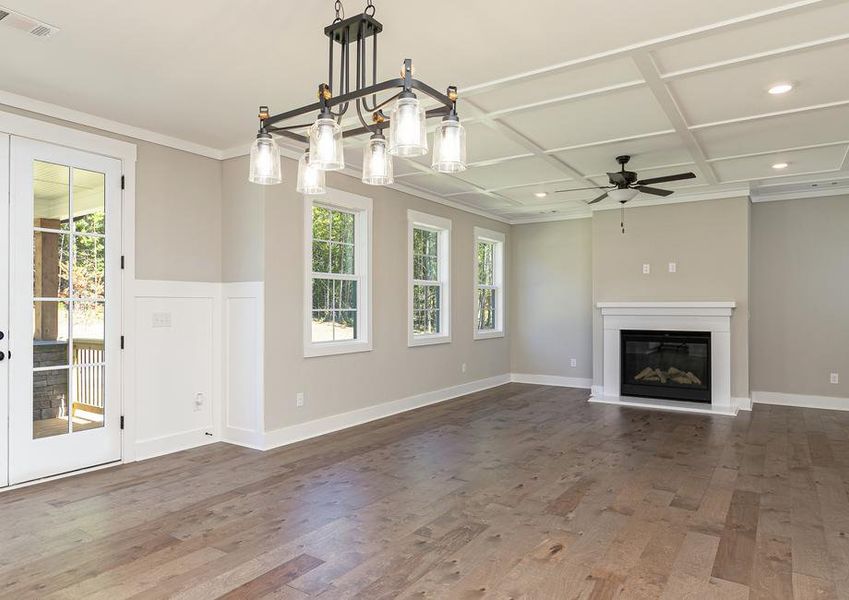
(573, 362)
(161, 319)
(646, 268)
(299, 399)
(673, 267)
(835, 378)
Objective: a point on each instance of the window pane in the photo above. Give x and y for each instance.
(485, 263)
(322, 294)
(419, 295)
(49, 403)
(50, 264)
(342, 259)
(322, 326)
(50, 334)
(320, 223)
(486, 309)
(343, 227)
(345, 294)
(88, 330)
(425, 242)
(88, 390)
(432, 300)
(89, 201)
(89, 274)
(321, 257)
(51, 196)
(426, 322)
(345, 325)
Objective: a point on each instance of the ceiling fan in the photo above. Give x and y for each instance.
(624, 185)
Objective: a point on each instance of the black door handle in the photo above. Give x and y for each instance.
(2, 355)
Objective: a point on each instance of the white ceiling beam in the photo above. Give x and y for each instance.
(567, 98)
(844, 165)
(758, 56)
(648, 68)
(779, 151)
(777, 113)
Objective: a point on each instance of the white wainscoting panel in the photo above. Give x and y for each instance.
(243, 322)
(177, 365)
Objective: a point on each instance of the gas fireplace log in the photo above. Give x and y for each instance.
(644, 373)
(662, 375)
(693, 378)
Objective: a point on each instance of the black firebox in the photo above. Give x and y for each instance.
(672, 365)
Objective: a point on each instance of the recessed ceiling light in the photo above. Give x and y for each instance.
(779, 165)
(541, 194)
(780, 88)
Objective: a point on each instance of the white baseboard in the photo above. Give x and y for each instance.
(555, 380)
(801, 400)
(311, 429)
(597, 391)
(151, 448)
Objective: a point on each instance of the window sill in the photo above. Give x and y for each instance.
(488, 334)
(428, 340)
(331, 349)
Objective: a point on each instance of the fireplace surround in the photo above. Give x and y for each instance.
(711, 317)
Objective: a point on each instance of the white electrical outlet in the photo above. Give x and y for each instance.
(673, 267)
(198, 401)
(646, 268)
(463, 367)
(299, 399)
(161, 319)
(573, 362)
(835, 378)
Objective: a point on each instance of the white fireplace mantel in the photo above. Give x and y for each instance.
(711, 316)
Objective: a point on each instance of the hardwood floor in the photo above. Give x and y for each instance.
(517, 492)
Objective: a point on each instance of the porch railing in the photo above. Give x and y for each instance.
(88, 382)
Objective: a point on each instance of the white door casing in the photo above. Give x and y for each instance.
(4, 309)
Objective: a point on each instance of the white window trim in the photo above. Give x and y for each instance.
(419, 220)
(362, 207)
(486, 235)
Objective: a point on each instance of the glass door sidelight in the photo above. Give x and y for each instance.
(64, 408)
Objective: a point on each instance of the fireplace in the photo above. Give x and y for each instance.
(671, 365)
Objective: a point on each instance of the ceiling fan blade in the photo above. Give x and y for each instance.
(653, 191)
(666, 178)
(599, 199)
(595, 187)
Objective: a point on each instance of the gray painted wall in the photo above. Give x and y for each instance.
(800, 296)
(708, 240)
(551, 298)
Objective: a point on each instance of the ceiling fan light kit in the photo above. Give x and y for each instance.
(406, 121)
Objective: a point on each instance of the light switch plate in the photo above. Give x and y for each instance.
(646, 268)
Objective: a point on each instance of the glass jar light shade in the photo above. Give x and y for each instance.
(265, 166)
(310, 179)
(377, 162)
(407, 134)
(449, 147)
(326, 145)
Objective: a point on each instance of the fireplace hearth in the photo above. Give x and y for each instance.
(671, 365)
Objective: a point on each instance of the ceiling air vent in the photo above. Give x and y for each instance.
(21, 22)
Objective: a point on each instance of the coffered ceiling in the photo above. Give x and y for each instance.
(550, 96)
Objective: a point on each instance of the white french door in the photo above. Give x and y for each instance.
(4, 309)
(64, 287)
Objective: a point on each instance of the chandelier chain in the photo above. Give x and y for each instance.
(370, 10)
(340, 11)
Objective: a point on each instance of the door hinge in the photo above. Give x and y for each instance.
(122, 261)
(122, 421)
(122, 342)
(123, 183)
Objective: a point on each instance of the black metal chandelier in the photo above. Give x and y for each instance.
(406, 121)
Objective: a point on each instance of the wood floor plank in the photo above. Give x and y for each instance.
(520, 491)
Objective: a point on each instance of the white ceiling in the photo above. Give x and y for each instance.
(549, 95)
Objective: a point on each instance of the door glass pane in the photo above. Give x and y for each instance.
(88, 333)
(89, 274)
(51, 196)
(50, 264)
(50, 334)
(87, 397)
(89, 199)
(49, 403)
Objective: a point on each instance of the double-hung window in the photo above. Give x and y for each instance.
(429, 292)
(338, 268)
(489, 284)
